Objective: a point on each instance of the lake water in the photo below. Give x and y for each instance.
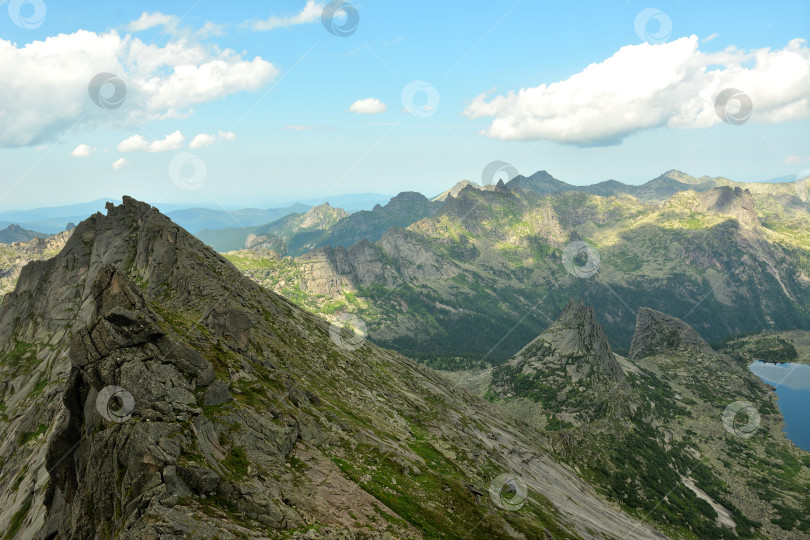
(792, 382)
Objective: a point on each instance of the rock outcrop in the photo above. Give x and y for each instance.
(735, 202)
(658, 333)
(570, 368)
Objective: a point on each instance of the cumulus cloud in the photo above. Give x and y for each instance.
(83, 150)
(204, 139)
(136, 143)
(118, 163)
(647, 86)
(152, 20)
(44, 88)
(310, 13)
(368, 106)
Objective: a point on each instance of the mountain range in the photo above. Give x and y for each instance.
(151, 390)
(477, 277)
(152, 387)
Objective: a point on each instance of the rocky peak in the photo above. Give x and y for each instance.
(658, 333)
(454, 191)
(322, 216)
(735, 202)
(407, 199)
(577, 334)
(570, 368)
(540, 182)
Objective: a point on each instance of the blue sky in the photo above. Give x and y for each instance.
(274, 107)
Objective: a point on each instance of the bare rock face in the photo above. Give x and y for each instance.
(96, 449)
(231, 323)
(735, 202)
(570, 367)
(400, 256)
(658, 333)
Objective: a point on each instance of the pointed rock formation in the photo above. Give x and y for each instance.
(570, 368)
(658, 333)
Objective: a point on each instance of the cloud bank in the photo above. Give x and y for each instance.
(44, 88)
(648, 86)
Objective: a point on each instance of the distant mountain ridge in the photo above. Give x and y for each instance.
(692, 252)
(15, 233)
(325, 225)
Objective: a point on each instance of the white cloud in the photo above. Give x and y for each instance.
(647, 86)
(297, 128)
(710, 37)
(795, 159)
(201, 140)
(204, 139)
(151, 20)
(118, 163)
(368, 106)
(210, 29)
(136, 143)
(311, 12)
(83, 150)
(133, 144)
(44, 87)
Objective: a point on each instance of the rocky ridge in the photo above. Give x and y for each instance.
(678, 454)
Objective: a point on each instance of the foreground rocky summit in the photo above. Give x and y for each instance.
(151, 391)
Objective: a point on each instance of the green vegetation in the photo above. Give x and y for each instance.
(31, 435)
(17, 519)
(236, 461)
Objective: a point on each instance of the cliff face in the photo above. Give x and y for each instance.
(735, 202)
(152, 391)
